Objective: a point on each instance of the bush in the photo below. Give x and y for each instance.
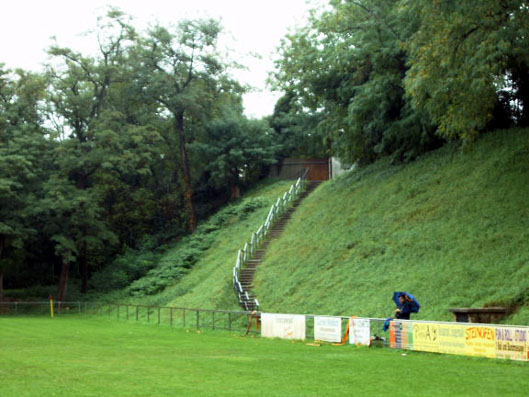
(130, 266)
(177, 262)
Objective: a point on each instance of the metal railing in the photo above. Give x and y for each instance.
(257, 238)
(183, 317)
(178, 317)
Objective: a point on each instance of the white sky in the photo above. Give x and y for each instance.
(252, 26)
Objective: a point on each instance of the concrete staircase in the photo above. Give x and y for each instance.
(248, 272)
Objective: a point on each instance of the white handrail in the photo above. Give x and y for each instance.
(258, 237)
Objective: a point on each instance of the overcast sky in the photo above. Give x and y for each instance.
(251, 26)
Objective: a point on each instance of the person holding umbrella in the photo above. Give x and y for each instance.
(406, 304)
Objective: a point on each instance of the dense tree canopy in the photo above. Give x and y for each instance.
(99, 153)
(470, 63)
(399, 77)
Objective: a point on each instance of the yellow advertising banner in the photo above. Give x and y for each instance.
(463, 339)
(480, 341)
(426, 337)
(512, 343)
(452, 339)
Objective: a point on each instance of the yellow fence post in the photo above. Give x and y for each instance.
(51, 306)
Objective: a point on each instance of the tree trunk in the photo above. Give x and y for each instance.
(1, 286)
(84, 268)
(235, 191)
(63, 281)
(2, 244)
(188, 191)
(82, 184)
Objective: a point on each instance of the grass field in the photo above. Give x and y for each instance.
(101, 357)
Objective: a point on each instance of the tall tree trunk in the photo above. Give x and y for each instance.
(82, 184)
(235, 191)
(2, 244)
(84, 267)
(63, 281)
(188, 191)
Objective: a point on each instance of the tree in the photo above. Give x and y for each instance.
(73, 222)
(236, 150)
(349, 64)
(23, 149)
(297, 131)
(467, 58)
(181, 71)
(80, 93)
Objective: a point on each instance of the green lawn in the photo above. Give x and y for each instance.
(101, 357)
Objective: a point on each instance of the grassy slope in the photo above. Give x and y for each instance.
(452, 228)
(97, 357)
(208, 285)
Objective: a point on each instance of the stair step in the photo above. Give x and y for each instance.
(247, 274)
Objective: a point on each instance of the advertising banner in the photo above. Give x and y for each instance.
(401, 334)
(285, 326)
(359, 331)
(512, 343)
(426, 337)
(452, 339)
(463, 339)
(480, 341)
(328, 329)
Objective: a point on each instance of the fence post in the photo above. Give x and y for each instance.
(171, 316)
(184, 317)
(198, 320)
(213, 321)
(127, 310)
(79, 307)
(117, 310)
(158, 315)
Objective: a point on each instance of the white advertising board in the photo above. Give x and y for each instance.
(359, 331)
(285, 326)
(328, 329)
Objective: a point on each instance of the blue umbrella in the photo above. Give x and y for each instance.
(414, 304)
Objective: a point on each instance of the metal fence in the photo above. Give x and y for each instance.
(146, 314)
(178, 317)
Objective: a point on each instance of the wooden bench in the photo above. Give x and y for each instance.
(486, 315)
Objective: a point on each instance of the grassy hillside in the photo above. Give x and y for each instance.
(452, 228)
(212, 250)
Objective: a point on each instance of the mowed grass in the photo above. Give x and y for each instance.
(101, 357)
